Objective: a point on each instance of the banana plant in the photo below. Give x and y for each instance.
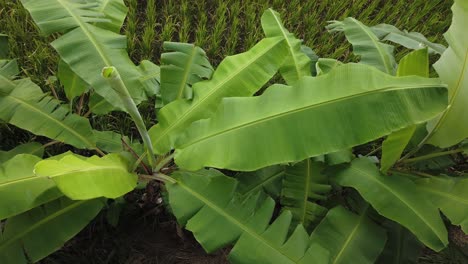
(294, 146)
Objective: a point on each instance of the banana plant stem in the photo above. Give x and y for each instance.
(432, 155)
(113, 77)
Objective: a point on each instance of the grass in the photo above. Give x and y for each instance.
(220, 27)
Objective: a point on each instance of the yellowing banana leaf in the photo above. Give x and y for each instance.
(82, 179)
(351, 105)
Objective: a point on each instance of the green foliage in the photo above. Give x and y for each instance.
(83, 179)
(293, 147)
(245, 125)
(33, 235)
(452, 126)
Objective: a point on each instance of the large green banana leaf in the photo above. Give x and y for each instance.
(452, 126)
(366, 44)
(183, 65)
(115, 12)
(206, 202)
(269, 179)
(81, 179)
(238, 75)
(398, 199)
(23, 104)
(349, 238)
(303, 185)
(410, 40)
(33, 235)
(351, 105)
(415, 63)
(20, 189)
(297, 64)
(32, 148)
(86, 48)
(450, 195)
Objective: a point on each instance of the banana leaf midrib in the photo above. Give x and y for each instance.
(282, 28)
(388, 68)
(83, 27)
(97, 168)
(306, 193)
(308, 107)
(214, 90)
(414, 210)
(40, 223)
(23, 179)
(233, 220)
(188, 67)
(444, 194)
(350, 237)
(61, 124)
(452, 99)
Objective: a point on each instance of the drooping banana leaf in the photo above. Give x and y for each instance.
(23, 104)
(452, 126)
(183, 65)
(250, 133)
(410, 40)
(450, 196)
(297, 64)
(206, 202)
(33, 235)
(304, 185)
(86, 48)
(269, 179)
(81, 179)
(396, 198)
(366, 44)
(32, 148)
(415, 63)
(401, 247)
(238, 75)
(20, 189)
(349, 238)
